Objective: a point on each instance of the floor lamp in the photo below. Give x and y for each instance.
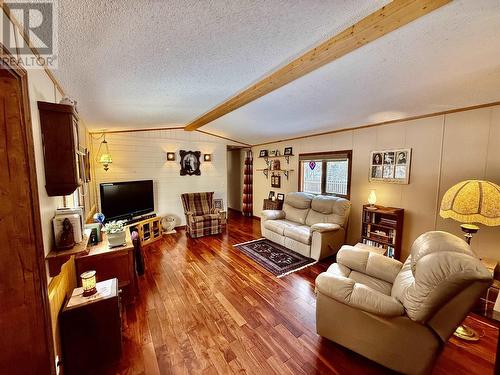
(471, 202)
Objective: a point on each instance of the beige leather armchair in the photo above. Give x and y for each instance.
(400, 315)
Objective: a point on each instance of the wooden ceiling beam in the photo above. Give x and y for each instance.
(388, 18)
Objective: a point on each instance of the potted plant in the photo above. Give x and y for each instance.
(115, 232)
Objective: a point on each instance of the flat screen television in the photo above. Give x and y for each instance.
(124, 200)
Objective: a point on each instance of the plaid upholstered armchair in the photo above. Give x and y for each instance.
(202, 219)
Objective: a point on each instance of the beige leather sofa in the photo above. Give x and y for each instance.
(311, 225)
(400, 315)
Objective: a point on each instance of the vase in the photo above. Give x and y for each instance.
(116, 239)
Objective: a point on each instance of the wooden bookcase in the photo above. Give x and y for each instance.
(383, 228)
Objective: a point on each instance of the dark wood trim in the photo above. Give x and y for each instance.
(229, 209)
(136, 130)
(220, 136)
(40, 276)
(389, 122)
(332, 153)
(167, 128)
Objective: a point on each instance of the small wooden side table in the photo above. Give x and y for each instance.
(269, 204)
(91, 329)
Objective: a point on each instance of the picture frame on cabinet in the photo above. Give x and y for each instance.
(280, 197)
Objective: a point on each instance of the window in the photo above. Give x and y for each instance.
(326, 173)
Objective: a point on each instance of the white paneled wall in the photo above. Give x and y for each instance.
(143, 156)
(446, 150)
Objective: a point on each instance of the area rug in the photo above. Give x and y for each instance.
(273, 257)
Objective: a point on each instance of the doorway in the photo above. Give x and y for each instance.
(235, 161)
(26, 335)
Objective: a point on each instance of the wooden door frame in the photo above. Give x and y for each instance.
(8, 62)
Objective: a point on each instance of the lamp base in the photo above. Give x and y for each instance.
(466, 333)
(371, 208)
(469, 230)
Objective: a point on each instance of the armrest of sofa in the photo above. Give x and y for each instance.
(372, 264)
(324, 227)
(359, 296)
(273, 215)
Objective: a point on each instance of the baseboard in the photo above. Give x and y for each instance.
(233, 210)
(256, 217)
(180, 227)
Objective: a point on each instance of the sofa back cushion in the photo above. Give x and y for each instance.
(198, 203)
(297, 206)
(329, 209)
(440, 266)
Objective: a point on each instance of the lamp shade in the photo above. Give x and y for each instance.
(472, 201)
(372, 197)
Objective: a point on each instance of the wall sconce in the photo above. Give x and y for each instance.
(105, 158)
(372, 199)
(88, 283)
(170, 156)
(207, 157)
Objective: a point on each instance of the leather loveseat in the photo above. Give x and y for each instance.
(311, 225)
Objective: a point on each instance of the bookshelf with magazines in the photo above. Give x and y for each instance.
(382, 227)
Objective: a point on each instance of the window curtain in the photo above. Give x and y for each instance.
(248, 185)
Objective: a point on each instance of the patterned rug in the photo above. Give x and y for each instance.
(273, 257)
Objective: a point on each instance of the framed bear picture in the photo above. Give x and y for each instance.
(190, 163)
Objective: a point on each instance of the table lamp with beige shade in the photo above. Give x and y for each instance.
(471, 202)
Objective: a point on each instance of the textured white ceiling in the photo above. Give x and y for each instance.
(133, 64)
(445, 60)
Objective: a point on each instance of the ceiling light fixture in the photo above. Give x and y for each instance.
(104, 158)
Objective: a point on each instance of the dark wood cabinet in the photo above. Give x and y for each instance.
(91, 330)
(59, 124)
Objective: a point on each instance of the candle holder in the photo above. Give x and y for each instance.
(88, 283)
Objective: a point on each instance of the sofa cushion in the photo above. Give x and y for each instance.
(278, 226)
(299, 199)
(372, 282)
(295, 214)
(206, 217)
(300, 233)
(328, 209)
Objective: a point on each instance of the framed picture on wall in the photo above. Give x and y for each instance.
(390, 166)
(190, 163)
(262, 153)
(288, 151)
(219, 204)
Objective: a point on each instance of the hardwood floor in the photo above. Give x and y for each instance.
(206, 308)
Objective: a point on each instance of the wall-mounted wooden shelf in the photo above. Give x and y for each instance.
(267, 158)
(285, 172)
(56, 258)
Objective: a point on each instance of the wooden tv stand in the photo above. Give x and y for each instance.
(149, 230)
